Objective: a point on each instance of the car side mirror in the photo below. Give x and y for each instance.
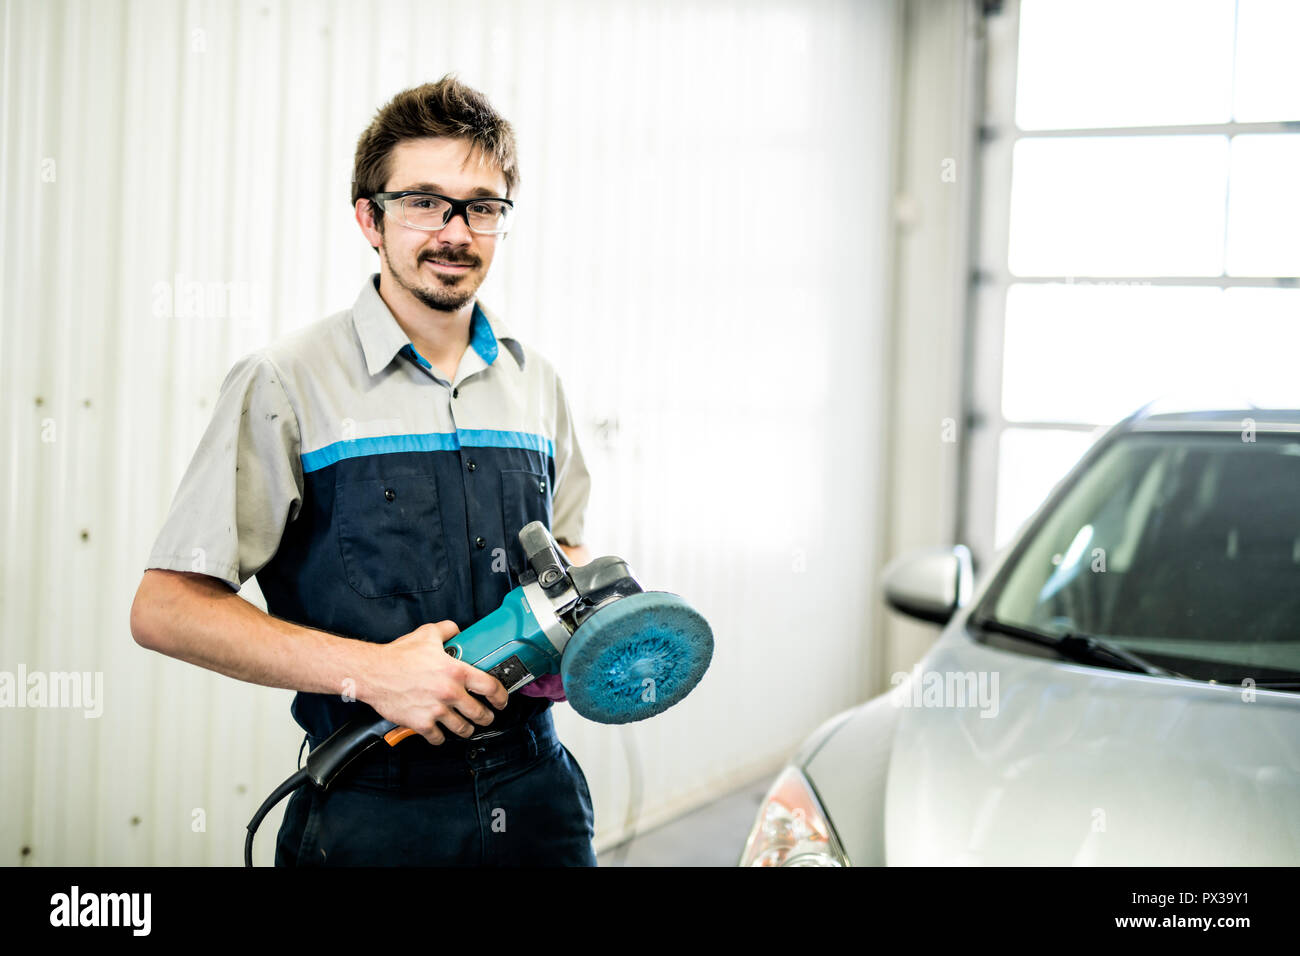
(931, 584)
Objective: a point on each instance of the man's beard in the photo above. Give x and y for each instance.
(440, 297)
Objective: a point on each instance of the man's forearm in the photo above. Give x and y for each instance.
(198, 619)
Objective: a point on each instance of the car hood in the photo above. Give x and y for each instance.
(1060, 764)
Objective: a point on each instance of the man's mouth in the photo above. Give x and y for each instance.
(444, 266)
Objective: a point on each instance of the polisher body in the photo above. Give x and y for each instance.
(511, 643)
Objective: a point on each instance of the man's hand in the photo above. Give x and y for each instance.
(417, 684)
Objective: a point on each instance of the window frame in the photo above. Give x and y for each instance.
(990, 277)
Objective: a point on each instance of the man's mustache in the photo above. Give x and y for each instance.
(451, 259)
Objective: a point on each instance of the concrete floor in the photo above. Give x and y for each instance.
(713, 835)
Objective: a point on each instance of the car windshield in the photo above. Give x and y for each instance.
(1182, 548)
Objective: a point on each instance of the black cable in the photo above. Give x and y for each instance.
(278, 794)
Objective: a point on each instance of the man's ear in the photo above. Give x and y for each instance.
(365, 216)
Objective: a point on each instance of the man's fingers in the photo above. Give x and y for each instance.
(447, 630)
(473, 709)
(453, 723)
(481, 682)
(457, 724)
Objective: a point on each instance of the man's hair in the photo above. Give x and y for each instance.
(447, 108)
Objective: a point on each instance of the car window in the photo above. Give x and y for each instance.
(1184, 548)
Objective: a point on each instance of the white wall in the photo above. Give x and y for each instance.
(728, 371)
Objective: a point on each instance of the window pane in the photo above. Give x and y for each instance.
(1264, 206)
(1030, 463)
(1124, 63)
(1095, 353)
(1268, 70)
(1261, 343)
(1119, 206)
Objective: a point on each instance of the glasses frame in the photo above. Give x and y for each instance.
(459, 207)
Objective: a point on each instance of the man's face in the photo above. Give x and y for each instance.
(444, 166)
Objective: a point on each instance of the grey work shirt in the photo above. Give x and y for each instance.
(367, 493)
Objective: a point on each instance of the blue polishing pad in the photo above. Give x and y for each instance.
(635, 658)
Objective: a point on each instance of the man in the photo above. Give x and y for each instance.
(373, 470)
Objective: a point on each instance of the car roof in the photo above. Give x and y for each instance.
(1173, 416)
(1186, 414)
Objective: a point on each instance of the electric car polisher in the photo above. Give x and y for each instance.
(622, 653)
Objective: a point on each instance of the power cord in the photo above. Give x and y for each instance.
(635, 785)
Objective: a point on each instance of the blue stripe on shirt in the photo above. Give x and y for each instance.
(430, 441)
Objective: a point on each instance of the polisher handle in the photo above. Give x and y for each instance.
(348, 743)
(344, 746)
(397, 735)
(509, 644)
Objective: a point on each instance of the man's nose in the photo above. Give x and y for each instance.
(456, 230)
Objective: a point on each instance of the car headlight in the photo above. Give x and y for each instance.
(791, 828)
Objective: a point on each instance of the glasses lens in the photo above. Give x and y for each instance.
(424, 212)
(488, 216)
(429, 212)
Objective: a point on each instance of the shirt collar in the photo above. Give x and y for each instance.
(382, 338)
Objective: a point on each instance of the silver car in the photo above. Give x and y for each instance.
(1122, 689)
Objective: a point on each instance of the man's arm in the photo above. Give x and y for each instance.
(199, 619)
(411, 681)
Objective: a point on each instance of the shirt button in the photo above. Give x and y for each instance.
(389, 495)
(541, 487)
(470, 464)
(455, 393)
(479, 543)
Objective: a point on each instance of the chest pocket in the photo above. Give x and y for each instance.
(525, 497)
(390, 534)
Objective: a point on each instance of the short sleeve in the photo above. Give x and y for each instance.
(243, 485)
(572, 480)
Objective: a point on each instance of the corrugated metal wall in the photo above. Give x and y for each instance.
(174, 180)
